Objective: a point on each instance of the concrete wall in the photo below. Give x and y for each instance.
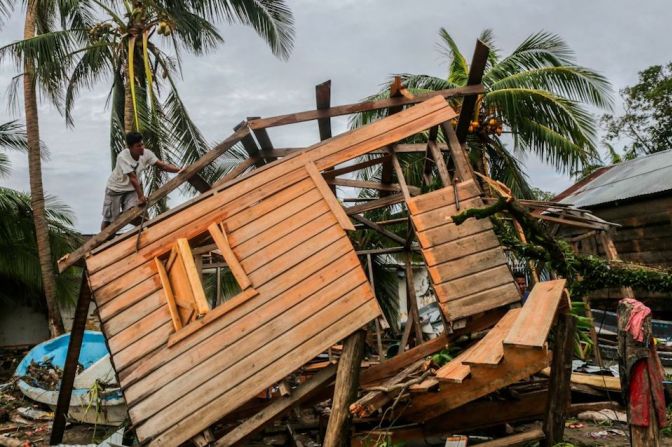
(22, 325)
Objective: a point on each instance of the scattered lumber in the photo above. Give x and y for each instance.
(381, 395)
(517, 439)
(608, 383)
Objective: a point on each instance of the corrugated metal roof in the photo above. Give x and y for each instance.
(641, 176)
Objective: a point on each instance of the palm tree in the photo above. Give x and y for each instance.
(20, 260)
(535, 102)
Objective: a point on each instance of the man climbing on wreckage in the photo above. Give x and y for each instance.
(124, 189)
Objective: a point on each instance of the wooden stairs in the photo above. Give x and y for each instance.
(466, 262)
(511, 351)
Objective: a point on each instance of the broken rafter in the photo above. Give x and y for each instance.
(355, 167)
(277, 408)
(250, 145)
(264, 141)
(375, 204)
(378, 228)
(476, 71)
(367, 106)
(384, 393)
(390, 187)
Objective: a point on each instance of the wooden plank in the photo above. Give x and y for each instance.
(297, 284)
(463, 170)
(489, 351)
(468, 265)
(218, 233)
(323, 101)
(277, 408)
(533, 324)
(134, 313)
(454, 250)
(523, 438)
(375, 204)
(358, 107)
(202, 306)
(405, 190)
(379, 229)
(391, 366)
(289, 224)
(443, 197)
(608, 383)
(238, 170)
(250, 145)
(129, 297)
(126, 217)
(288, 242)
(143, 346)
(125, 282)
(476, 283)
(476, 70)
(450, 232)
(444, 215)
(455, 371)
(391, 187)
(329, 197)
(306, 334)
(481, 302)
(296, 255)
(355, 167)
(211, 316)
(138, 329)
(440, 163)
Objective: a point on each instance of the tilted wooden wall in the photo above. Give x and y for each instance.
(288, 236)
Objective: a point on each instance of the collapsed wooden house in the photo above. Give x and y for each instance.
(183, 364)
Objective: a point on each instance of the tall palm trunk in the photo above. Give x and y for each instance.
(128, 107)
(35, 174)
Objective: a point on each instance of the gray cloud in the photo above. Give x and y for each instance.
(356, 44)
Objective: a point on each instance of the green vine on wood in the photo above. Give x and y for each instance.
(583, 273)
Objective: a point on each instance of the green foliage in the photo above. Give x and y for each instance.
(442, 357)
(646, 124)
(537, 94)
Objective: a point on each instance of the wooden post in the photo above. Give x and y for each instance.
(345, 391)
(379, 337)
(612, 255)
(559, 383)
(412, 300)
(71, 360)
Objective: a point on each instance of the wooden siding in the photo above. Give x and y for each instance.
(289, 239)
(466, 263)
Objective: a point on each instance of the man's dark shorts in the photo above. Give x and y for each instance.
(116, 202)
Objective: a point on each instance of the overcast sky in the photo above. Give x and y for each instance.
(355, 43)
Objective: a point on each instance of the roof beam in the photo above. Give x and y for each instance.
(366, 106)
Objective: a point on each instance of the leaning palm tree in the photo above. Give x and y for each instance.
(535, 102)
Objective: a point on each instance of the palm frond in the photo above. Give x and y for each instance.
(459, 69)
(13, 136)
(271, 19)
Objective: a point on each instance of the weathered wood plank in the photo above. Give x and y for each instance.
(443, 215)
(532, 327)
(478, 282)
(329, 197)
(443, 197)
(468, 265)
(134, 313)
(218, 233)
(490, 350)
(455, 250)
(480, 302)
(129, 297)
(450, 232)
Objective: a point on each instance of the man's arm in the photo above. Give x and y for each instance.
(167, 166)
(142, 200)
